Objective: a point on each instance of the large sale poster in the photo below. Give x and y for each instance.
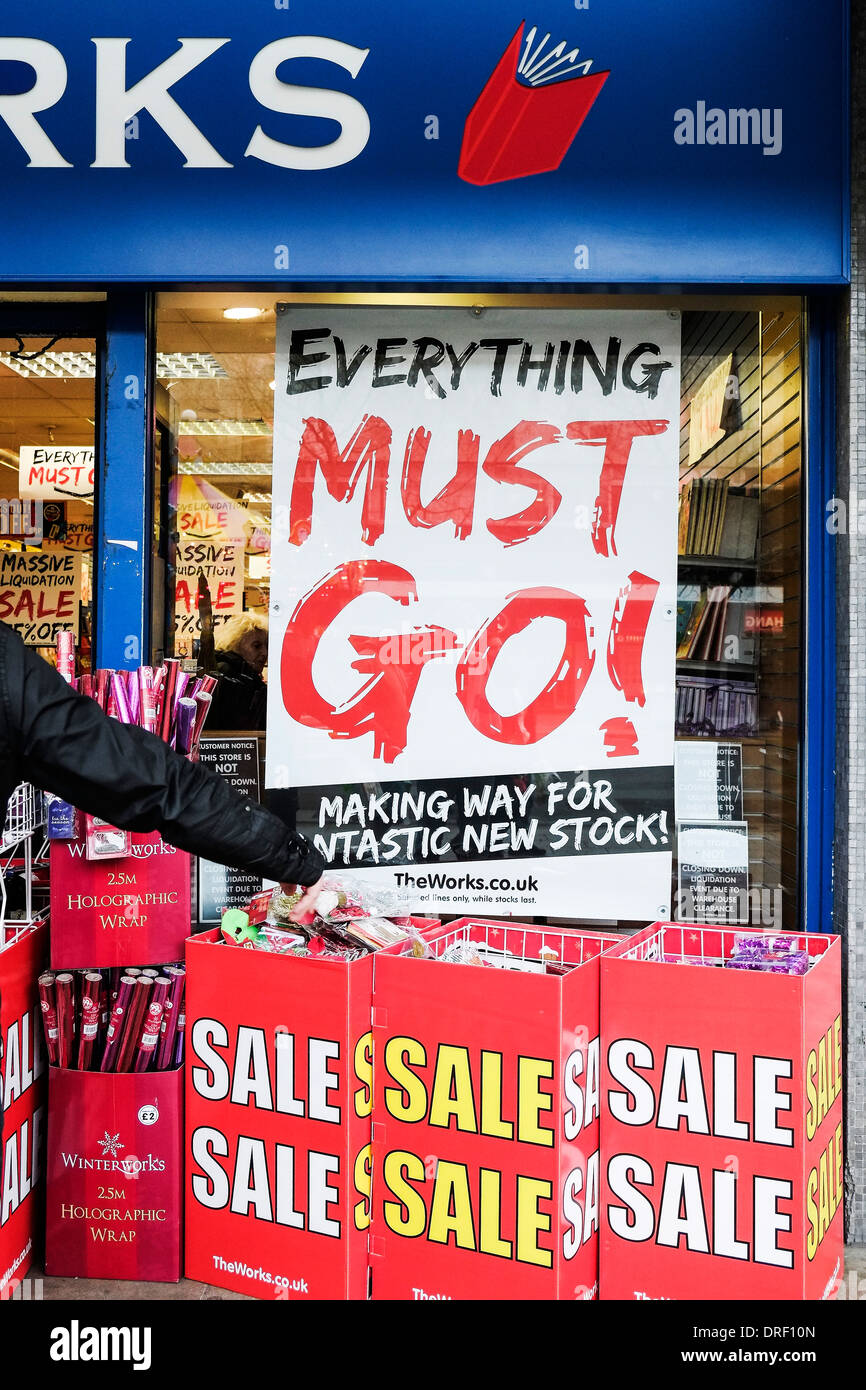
(472, 602)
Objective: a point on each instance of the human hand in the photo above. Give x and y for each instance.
(308, 901)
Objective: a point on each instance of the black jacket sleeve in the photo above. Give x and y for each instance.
(66, 745)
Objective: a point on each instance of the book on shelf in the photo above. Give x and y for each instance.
(738, 643)
(704, 538)
(739, 538)
(711, 624)
(690, 501)
(683, 518)
(713, 707)
(717, 516)
(715, 519)
(708, 644)
(686, 598)
(692, 625)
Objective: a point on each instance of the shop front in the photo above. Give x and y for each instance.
(457, 388)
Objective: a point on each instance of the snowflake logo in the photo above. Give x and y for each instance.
(110, 1144)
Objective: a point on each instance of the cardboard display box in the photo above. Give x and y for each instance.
(721, 1125)
(278, 1120)
(485, 1134)
(115, 1175)
(130, 911)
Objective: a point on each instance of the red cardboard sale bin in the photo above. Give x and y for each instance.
(279, 1099)
(23, 1071)
(128, 911)
(115, 1175)
(721, 1127)
(485, 1134)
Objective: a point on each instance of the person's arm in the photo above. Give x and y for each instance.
(134, 780)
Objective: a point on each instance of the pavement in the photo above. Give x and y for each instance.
(854, 1279)
(137, 1291)
(853, 1286)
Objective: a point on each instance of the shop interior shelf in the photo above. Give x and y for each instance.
(760, 739)
(718, 564)
(734, 670)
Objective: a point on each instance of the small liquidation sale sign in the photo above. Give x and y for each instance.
(473, 599)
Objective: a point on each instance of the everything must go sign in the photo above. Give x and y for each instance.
(472, 601)
(56, 472)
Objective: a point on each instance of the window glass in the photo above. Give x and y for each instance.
(738, 616)
(739, 640)
(47, 411)
(215, 414)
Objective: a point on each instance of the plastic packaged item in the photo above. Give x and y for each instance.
(375, 932)
(259, 905)
(798, 962)
(105, 841)
(750, 944)
(744, 961)
(787, 962)
(774, 955)
(463, 953)
(786, 944)
(282, 904)
(345, 898)
(416, 945)
(238, 930)
(278, 941)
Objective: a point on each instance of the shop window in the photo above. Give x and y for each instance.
(738, 619)
(47, 411)
(739, 638)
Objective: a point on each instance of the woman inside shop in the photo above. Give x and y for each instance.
(240, 699)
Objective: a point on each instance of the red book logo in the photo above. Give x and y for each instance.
(529, 112)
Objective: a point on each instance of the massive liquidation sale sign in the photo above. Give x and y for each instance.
(210, 554)
(472, 602)
(40, 593)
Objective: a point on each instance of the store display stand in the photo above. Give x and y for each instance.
(24, 816)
